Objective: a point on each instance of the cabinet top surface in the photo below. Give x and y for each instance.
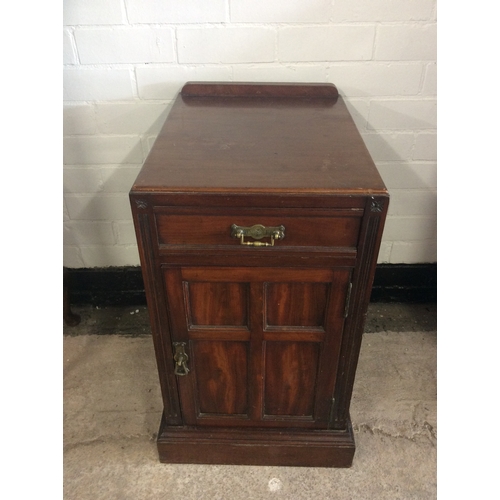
(262, 138)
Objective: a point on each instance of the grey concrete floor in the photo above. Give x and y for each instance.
(112, 409)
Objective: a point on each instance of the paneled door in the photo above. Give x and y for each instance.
(262, 344)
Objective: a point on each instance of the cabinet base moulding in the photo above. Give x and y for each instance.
(315, 448)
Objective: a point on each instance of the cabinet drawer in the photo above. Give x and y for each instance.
(299, 231)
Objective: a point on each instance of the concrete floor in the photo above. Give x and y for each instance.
(112, 410)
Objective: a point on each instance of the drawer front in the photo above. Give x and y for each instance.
(299, 230)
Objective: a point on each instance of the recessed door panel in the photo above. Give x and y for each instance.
(216, 304)
(221, 377)
(290, 378)
(296, 304)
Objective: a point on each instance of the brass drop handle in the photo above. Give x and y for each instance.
(258, 232)
(180, 358)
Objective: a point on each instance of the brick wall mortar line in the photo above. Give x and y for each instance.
(352, 62)
(176, 47)
(123, 5)
(226, 24)
(116, 232)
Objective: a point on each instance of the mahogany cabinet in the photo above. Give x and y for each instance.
(259, 215)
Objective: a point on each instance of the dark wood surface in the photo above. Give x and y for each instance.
(201, 229)
(272, 334)
(259, 144)
(252, 89)
(235, 446)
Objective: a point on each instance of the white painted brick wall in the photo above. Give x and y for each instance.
(118, 178)
(359, 110)
(382, 10)
(409, 252)
(411, 228)
(187, 11)
(402, 114)
(79, 119)
(390, 146)
(130, 117)
(112, 255)
(125, 45)
(399, 175)
(281, 11)
(97, 84)
(407, 42)
(86, 179)
(325, 43)
(165, 82)
(102, 149)
(279, 73)
(375, 79)
(89, 233)
(65, 212)
(425, 146)
(412, 202)
(430, 80)
(98, 207)
(125, 233)
(126, 60)
(69, 49)
(98, 12)
(99, 178)
(226, 45)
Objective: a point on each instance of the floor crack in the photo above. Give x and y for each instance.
(101, 440)
(427, 432)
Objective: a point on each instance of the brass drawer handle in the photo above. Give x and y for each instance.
(258, 232)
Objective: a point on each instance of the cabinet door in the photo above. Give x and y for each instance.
(263, 343)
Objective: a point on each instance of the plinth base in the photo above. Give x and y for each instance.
(286, 447)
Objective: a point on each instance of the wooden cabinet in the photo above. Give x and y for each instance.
(259, 215)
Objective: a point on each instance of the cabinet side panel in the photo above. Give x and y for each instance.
(156, 308)
(369, 244)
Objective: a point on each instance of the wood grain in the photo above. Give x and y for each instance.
(263, 145)
(290, 378)
(217, 304)
(221, 376)
(296, 304)
(253, 89)
(299, 230)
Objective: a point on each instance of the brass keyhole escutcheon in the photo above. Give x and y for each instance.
(180, 358)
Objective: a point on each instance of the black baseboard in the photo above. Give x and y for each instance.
(405, 283)
(123, 286)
